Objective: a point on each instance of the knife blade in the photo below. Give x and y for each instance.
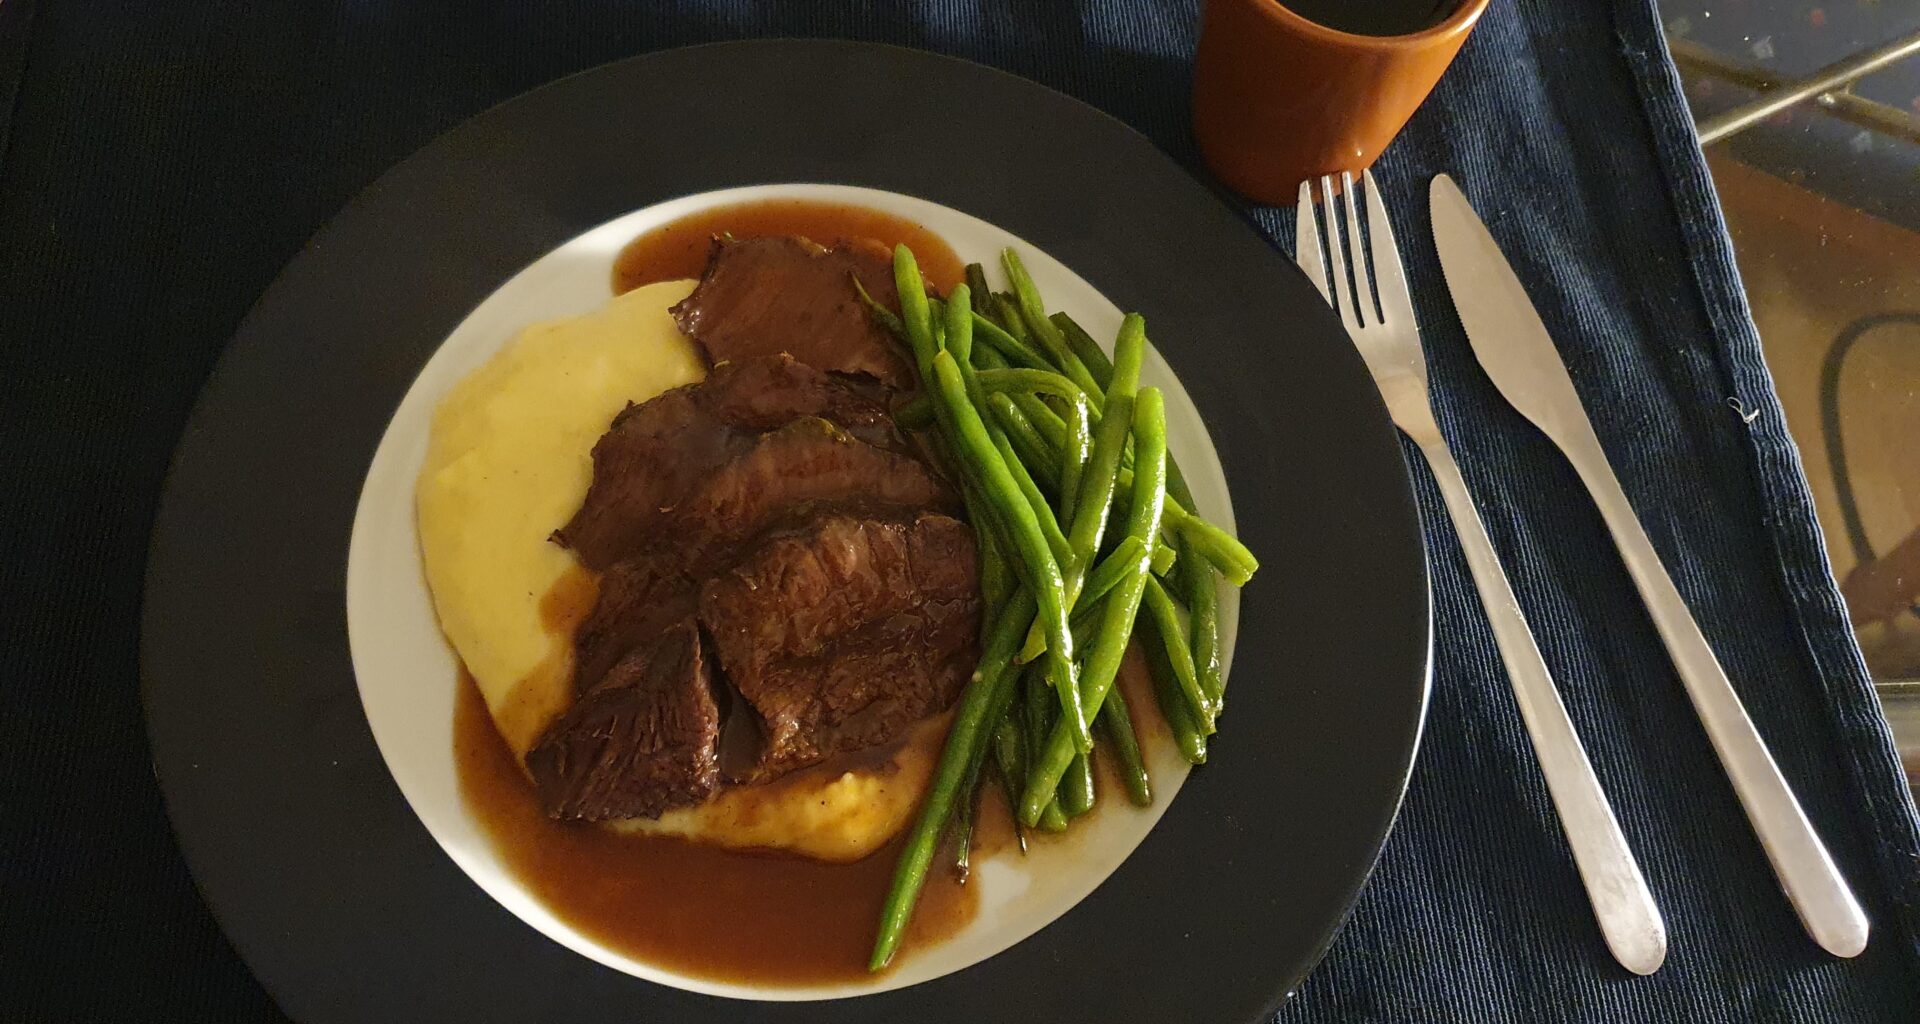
(1515, 350)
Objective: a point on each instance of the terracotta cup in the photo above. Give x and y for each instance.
(1278, 99)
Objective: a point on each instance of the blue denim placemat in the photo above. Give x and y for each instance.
(162, 161)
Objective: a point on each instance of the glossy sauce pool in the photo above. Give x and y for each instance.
(677, 251)
(700, 910)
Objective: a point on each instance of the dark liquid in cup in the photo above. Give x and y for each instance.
(1374, 17)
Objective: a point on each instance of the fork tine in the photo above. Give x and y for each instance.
(1362, 281)
(1389, 276)
(1343, 298)
(1307, 252)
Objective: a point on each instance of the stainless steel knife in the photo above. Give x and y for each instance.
(1515, 350)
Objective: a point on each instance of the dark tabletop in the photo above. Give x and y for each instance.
(159, 163)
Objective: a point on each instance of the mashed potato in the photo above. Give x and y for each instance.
(832, 815)
(509, 459)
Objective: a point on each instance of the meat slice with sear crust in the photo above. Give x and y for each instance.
(657, 452)
(638, 599)
(763, 296)
(842, 634)
(780, 478)
(643, 740)
(808, 462)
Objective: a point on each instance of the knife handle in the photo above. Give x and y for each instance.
(1812, 882)
(1629, 919)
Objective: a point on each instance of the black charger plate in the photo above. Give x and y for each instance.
(329, 886)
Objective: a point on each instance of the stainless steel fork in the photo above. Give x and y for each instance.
(1389, 341)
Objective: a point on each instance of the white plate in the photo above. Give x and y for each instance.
(408, 675)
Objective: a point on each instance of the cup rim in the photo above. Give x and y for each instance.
(1455, 24)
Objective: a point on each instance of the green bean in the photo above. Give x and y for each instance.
(1049, 423)
(1203, 621)
(1009, 625)
(1034, 450)
(1217, 547)
(1149, 432)
(1102, 369)
(1076, 787)
(1196, 574)
(1012, 348)
(1150, 464)
(1173, 634)
(1121, 562)
(1102, 476)
(1212, 545)
(1034, 312)
(975, 276)
(961, 333)
(1073, 455)
(1091, 355)
(1037, 703)
(1117, 719)
(1036, 499)
(959, 340)
(1061, 358)
(1006, 313)
(1011, 765)
(999, 669)
(1075, 795)
(985, 357)
(1174, 709)
(964, 742)
(963, 824)
(1110, 442)
(1164, 558)
(915, 314)
(1046, 382)
(958, 321)
(1016, 514)
(881, 315)
(1220, 548)
(1040, 715)
(995, 583)
(999, 700)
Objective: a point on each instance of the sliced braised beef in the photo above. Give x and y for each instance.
(768, 544)
(779, 478)
(643, 740)
(655, 453)
(638, 599)
(763, 296)
(768, 392)
(808, 462)
(842, 634)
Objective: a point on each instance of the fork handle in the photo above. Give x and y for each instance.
(1629, 920)
(1807, 873)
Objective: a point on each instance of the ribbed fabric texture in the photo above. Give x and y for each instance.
(161, 162)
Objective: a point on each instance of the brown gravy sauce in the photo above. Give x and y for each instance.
(758, 918)
(677, 251)
(730, 915)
